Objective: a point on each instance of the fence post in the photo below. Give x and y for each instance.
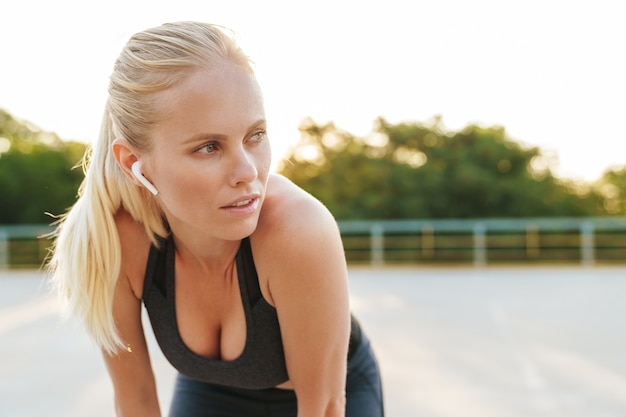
(587, 255)
(377, 244)
(4, 249)
(480, 244)
(533, 246)
(428, 241)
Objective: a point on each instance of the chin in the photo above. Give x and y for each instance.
(240, 231)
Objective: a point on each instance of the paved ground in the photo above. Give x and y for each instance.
(492, 342)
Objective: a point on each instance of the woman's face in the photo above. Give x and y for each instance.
(211, 155)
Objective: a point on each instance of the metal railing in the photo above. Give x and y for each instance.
(486, 241)
(23, 245)
(585, 241)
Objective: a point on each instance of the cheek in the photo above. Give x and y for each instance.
(264, 160)
(181, 189)
(177, 180)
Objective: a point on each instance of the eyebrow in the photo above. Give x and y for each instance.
(218, 136)
(201, 137)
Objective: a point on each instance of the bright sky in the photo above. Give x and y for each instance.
(552, 72)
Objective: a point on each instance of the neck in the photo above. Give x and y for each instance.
(211, 258)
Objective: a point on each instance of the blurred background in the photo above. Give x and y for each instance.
(471, 151)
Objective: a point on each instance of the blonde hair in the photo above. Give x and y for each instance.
(85, 259)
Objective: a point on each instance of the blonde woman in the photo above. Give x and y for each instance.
(241, 272)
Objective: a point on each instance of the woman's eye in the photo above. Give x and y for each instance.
(260, 135)
(208, 148)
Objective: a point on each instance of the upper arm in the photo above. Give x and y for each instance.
(130, 370)
(304, 258)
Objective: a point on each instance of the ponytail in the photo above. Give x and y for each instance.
(86, 257)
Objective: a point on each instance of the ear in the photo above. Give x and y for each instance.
(125, 156)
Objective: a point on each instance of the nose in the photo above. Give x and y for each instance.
(243, 167)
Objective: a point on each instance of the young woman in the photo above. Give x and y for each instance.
(242, 273)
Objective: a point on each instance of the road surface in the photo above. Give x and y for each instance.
(469, 342)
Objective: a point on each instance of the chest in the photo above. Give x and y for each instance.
(209, 314)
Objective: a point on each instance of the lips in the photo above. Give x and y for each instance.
(242, 207)
(241, 202)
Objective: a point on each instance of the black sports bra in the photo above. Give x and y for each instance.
(262, 362)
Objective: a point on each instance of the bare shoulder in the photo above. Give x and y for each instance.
(288, 211)
(135, 245)
(295, 231)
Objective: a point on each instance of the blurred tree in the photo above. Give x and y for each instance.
(612, 186)
(36, 174)
(414, 170)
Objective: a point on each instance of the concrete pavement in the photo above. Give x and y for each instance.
(505, 342)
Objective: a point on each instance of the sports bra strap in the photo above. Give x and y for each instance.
(245, 262)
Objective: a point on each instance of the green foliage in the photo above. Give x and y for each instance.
(36, 175)
(612, 186)
(413, 170)
(408, 170)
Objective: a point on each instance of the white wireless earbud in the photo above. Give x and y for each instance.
(136, 168)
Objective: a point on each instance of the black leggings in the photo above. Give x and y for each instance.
(198, 399)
